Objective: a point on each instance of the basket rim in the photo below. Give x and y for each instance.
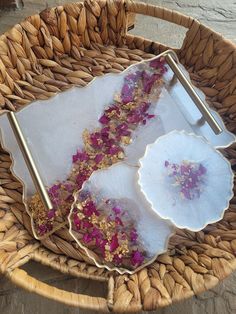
(140, 8)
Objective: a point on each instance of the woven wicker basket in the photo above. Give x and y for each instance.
(38, 58)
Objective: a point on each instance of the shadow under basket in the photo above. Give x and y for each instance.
(69, 45)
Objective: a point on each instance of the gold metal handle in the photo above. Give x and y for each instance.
(194, 96)
(29, 161)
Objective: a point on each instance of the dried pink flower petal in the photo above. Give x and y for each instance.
(117, 259)
(127, 93)
(188, 177)
(104, 119)
(42, 229)
(98, 158)
(137, 258)
(80, 156)
(114, 150)
(86, 224)
(90, 209)
(81, 177)
(87, 238)
(133, 235)
(76, 221)
(148, 81)
(116, 210)
(158, 63)
(51, 213)
(53, 191)
(114, 243)
(119, 221)
(123, 129)
(95, 139)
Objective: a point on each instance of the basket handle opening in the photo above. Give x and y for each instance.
(160, 12)
(22, 279)
(165, 14)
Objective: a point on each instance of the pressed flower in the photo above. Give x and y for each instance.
(77, 221)
(102, 244)
(148, 81)
(158, 63)
(133, 77)
(90, 209)
(137, 258)
(104, 119)
(54, 190)
(188, 177)
(114, 150)
(133, 235)
(119, 221)
(98, 158)
(150, 116)
(114, 243)
(127, 93)
(109, 143)
(116, 210)
(105, 132)
(87, 238)
(123, 129)
(86, 224)
(117, 259)
(42, 229)
(81, 177)
(96, 140)
(144, 106)
(110, 115)
(51, 213)
(123, 236)
(69, 187)
(96, 233)
(80, 156)
(113, 111)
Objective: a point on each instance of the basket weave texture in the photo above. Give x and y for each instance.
(69, 45)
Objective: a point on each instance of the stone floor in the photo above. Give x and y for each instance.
(219, 15)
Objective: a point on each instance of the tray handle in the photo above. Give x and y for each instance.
(36, 177)
(187, 22)
(206, 114)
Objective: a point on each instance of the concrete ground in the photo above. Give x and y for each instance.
(219, 15)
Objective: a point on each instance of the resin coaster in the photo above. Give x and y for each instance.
(82, 130)
(186, 180)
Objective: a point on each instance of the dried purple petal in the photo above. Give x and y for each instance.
(188, 176)
(80, 156)
(127, 93)
(137, 258)
(148, 81)
(51, 213)
(133, 235)
(116, 210)
(87, 238)
(117, 260)
(114, 243)
(98, 158)
(104, 119)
